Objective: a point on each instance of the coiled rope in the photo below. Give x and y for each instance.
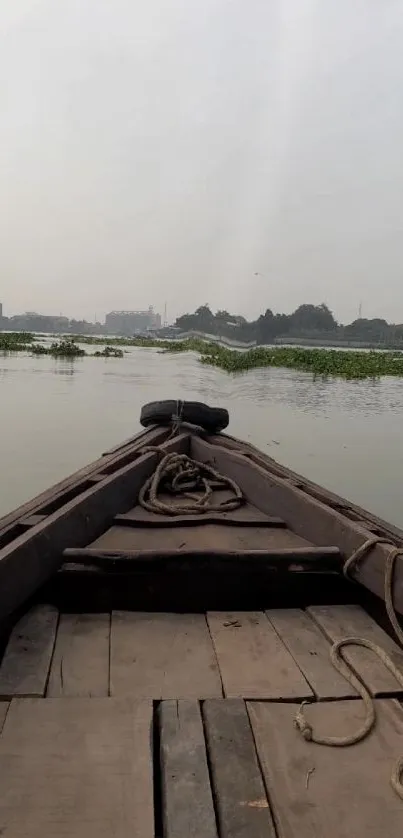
(346, 670)
(178, 474)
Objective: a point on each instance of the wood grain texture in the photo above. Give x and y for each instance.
(356, 513)
(4, 705)
(206, 537)
(29, 560)
(25, 666)
(242, 806)
(116, 558)
(304, 514)
(253, 661)
(338, 621)
(77, 768)
(80, 665)
(316, 791)
(311, 651)
(246, 515)
(162, 656)
(188, 810)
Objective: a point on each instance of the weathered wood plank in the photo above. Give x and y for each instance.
(362, 516)
(281, 560)
(79, 521)
(149, 436)
(242, 807)
(188, 810)
(80, 665)
(25, 666)
(338, 621)
(32, 520)
(253, 661)
(77, 767)
(304, 514)
(4, 705)
(317, 791)
(245, 516)
(78, 588)
(162, 656)
(311, 651)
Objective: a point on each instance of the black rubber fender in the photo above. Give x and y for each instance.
(212, 419)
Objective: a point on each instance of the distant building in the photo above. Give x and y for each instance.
(32, 322)
(131, 322)
(1, 311)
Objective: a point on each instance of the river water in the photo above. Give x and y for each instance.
(58, 415)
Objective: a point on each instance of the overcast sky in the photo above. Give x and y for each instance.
(168, 150)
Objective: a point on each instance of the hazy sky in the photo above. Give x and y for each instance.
(166, 150)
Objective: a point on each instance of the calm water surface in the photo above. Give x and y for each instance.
(56, 416)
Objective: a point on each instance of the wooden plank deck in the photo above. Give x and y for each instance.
(3, 713)
(242, 806)
(155, 749)
(80, 665)
(163, 656)
(253, 661)
(310, 649)
(317, 791)
(78, 768)
(25, 666)
(340, 621)
(273, 655)
(187, 799)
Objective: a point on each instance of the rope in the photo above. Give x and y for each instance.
(346, 670)
(179, 474)
(390, 564)
(177, 418)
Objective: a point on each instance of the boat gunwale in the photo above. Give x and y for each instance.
(233, 453)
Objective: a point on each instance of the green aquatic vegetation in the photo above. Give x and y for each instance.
(66, 349)
(320, 362)
(109, 352)
(187, 345)
(323, 362)
(39, 349)
(59, 349)
(122, 341)
(15, 341)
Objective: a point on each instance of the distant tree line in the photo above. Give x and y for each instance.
(307, 322)
(310, 323)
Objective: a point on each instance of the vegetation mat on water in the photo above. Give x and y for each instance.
(67, 348)
(15, 341)
(122, 341)
(323, 362)
(109, 352)
(59, 349)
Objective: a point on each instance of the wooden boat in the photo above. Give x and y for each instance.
(163, 614)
